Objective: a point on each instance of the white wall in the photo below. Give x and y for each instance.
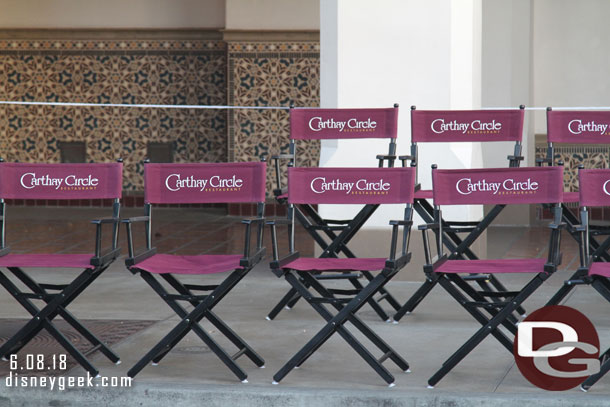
(111, 14)
(506, 82)
(409, 52)
(273, 14)
(571, 54)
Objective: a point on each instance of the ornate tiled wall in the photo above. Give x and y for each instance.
(270, 74)
(198, 72)
(590, 156)
(113, 71)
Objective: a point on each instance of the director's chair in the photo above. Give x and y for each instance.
(333, 235)
(308, 275)
(459, 126)
(188, 184)
(492, 309)
(577, 127)
(58, 182)
(594, 191)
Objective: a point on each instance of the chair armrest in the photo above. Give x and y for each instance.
(429, 268)
(250, 221)
(253, 259)
(401, 222)
(100, 258)
(136, 219)
(406, 157)
(132, 261)
(390, 158)
(278, 222)
(580, 228)
(515, 157)
(540, 161)
(559, 226)
(398, 263)
(427, 226)
(4, 251)
(131, 252)
(248, 259)
(105, 220)
(278, 264)
(282, 157)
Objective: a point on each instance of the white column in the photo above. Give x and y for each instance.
(411, 52)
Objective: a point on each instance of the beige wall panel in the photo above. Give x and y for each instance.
(273, 15)
(113, 14)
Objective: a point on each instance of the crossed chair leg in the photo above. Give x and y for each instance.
(347, 309)
(203, 305)
(55, 305)
(602, 285)
(289, 300)
(500, 316)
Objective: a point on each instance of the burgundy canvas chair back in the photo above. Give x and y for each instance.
(60, 181)
(441, 126)
(594, 187)
(466, 125)
(204, 183)
(574, 127)
(317, 124)
(498, 186)
(578, 126)
(351, 185)
(321, 124)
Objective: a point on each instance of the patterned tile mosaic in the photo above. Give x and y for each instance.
(185, 72)
(156, 71)
(271, 74)
(573, 156)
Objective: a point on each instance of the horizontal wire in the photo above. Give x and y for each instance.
(150, 106)
(225, 107)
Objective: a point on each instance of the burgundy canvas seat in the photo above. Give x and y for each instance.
(492, 309)
(593, 192)
(576, 127)
(599, 269)
(203, 264)
(334, 264)
(58, 182)
(82, 261)
(457, 126)
(493, 266)
(308, 275)
(333, 235)
(198, 183)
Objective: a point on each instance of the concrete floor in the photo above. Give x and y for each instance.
(335, 375)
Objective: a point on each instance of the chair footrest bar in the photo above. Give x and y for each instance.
(32, 296)
(181, 297)
(238, 353)
(57, 287)
(477, 277)
(338, 276)
(329, 300)
(326, 227)
(340, 291)
(484, 304)
(385, 356)
(198, 287)
(578, 281)
(93, 349)
(499, 294)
